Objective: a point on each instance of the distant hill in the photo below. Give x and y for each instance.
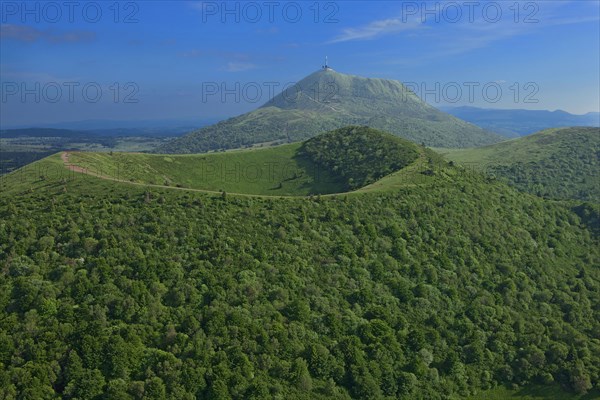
(107, 124)
(327, 100)
(42, 132)
(555, 163)
(515, 123)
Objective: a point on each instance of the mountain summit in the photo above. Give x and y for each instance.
(327, 100)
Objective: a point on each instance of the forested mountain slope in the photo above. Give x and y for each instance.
(438, 290)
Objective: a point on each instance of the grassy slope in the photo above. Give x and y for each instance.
(534, 392)
(272, 171)
(558, 163)
(287, 170)
(260, 171)
(142, 170)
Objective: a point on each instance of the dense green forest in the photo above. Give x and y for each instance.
(562, 163)
(327, 100)
(359, 155)
(436, 290)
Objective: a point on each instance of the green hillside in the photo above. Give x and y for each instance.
(327, 100)
(559, 163)
(334, 162)
(272, 171)
(438, 290)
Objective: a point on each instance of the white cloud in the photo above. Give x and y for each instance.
(467, 35)
(375, 29)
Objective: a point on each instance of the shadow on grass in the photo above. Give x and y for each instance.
(320, 180)
(554, 392)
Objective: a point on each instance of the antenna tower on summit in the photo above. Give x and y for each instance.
(326, 67)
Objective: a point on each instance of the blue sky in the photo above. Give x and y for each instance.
(156, 60)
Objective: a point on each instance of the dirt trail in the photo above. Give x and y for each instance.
(75, 168)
